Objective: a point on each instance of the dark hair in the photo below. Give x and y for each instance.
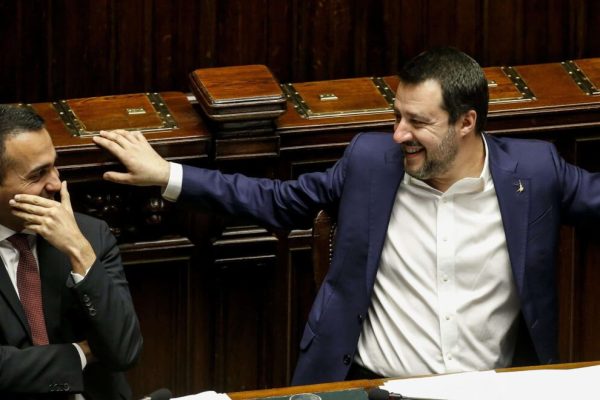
(15, 120)
(463, 83)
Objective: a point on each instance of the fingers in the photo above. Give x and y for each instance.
(117, 177)
(111, 142)
(32, 209)
(30, 201)
(120, 136)
(33, 217)
(29, 218)
(65, 197)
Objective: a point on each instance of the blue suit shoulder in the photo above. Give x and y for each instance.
(508, 143)
(528, 154)
(371, 146)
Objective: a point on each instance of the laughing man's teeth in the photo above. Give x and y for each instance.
(412, 150)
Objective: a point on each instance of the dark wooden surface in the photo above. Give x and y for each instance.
(80, 48)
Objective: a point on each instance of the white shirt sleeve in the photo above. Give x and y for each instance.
(81, 356)
(173, 189)
(78, 277)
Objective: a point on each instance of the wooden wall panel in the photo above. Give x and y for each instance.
(68, 49)
(162, 304)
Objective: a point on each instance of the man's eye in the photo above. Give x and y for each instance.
(37, 176)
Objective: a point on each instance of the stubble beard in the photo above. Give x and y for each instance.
(438, 162)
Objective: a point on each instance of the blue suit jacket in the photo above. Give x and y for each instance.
(362, 186)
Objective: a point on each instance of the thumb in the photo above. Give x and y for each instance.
(118, 177)
(65, 197)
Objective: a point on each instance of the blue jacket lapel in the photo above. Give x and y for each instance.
(514, 201)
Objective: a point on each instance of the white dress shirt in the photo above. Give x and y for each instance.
(444, 298)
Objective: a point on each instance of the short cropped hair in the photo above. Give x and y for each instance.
(15, 120)
(463, 83)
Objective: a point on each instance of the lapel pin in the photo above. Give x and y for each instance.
(520, 187)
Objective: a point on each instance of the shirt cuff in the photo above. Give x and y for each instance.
(78, 277)
(81, 356)
(173, 189)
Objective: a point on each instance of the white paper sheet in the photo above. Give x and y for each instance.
(208, 395)
(547, 384)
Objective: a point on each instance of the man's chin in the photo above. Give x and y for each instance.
(416, 174)
(16, 225)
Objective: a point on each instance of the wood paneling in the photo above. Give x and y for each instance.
(69, 49)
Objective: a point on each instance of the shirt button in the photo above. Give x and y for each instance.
(361, 318)
(447, 318)
(449, 356)
(347, 359)
(445, 278)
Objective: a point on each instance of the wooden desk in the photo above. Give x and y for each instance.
(367, 384)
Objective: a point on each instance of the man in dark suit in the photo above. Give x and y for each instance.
(67, 323)
(446, 236)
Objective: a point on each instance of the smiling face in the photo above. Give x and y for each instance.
(429, 142)
(28, 168)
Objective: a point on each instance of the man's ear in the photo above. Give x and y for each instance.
(466, 123)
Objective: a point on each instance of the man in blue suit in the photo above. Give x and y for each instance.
(446, 236)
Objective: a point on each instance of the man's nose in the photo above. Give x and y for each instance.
(402, 132)
(53, 184)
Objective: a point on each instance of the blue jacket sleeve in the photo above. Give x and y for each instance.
(281, 204)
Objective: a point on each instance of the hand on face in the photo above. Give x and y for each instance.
(145, 167)
(55, 222)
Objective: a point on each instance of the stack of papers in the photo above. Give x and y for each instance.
(547, 384)
(208, 395)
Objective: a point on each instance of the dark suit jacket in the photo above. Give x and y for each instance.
(98, 309)
(362, 186)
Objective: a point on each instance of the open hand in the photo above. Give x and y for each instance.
(145, 167)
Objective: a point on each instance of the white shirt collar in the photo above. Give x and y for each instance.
(6, 232)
